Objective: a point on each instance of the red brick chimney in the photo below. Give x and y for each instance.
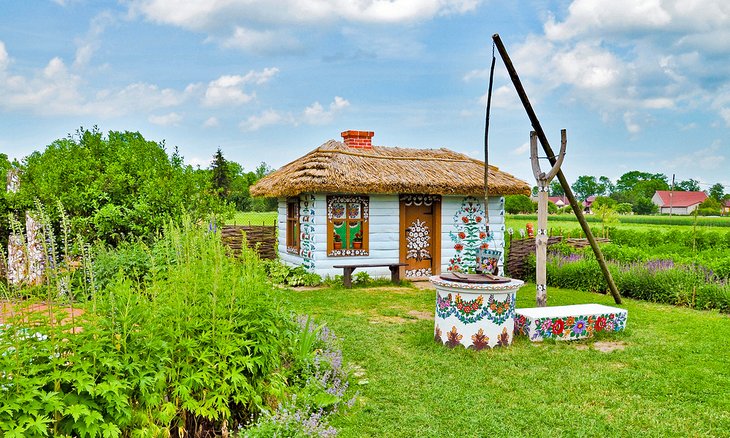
(358, 139)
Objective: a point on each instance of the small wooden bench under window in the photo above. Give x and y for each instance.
(347, 271)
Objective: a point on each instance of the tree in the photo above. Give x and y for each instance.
(585, 186)
(556, 189)
(118, 186)
(515, 204)
(605, 185)
(717, 192)
(645, 206)
(603, 200)
(220, 178)
(608, 216)
(690, 185)
(628, 180)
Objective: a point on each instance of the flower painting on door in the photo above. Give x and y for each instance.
(469, 236)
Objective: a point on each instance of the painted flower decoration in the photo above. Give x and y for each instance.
(458, 247)
(465, 219)
(453, 338)
(482, 235)
(600, 323)
(579, 327)
(479, 219)
(558, 326)
(479, 340)
(462, 235)
(437, 335)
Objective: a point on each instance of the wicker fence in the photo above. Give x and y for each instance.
(520, 249)
(261, 239)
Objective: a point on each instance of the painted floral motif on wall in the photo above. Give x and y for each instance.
(479, 341)
(472, 311)
(307, 218)
(469, 236)
(573, 327)
(418, 273)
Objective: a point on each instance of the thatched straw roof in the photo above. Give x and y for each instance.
(336, 168)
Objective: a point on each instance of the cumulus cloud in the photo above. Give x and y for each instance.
(91, 42)
(316, 114)
(228, 90)
(630, 58)
(211, 122)
(266, 118)
(267, 26)
(170, 119)
(709, 158)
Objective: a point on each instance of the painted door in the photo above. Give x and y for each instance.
(420, 235)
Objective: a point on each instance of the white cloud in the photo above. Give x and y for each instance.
(266, 26)
(92, 41)
(170, 119)
(4, 58)
(256, 122)
(709, 158)
(228, 90)
(211, 122)
(631, 125)
(523, 149)
(315, 114)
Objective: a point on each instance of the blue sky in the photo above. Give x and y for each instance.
(638, 84)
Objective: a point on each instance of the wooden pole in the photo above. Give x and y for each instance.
(577, 209)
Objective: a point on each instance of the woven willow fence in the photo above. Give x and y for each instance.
(261, 239)
(520, 249)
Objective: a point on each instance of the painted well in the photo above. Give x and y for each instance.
(475, 316)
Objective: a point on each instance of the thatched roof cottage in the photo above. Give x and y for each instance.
(352, 202)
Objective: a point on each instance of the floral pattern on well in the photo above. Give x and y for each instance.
(453, 338)
(418, 241)
(437, 335)
(306, 218)
(469, 312)
(479, 340)
(575, 327)
(469, 236)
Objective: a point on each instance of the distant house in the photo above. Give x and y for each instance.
(559, 201)
(352, 202)
(588, 203)
(726, 207)
(682, 203)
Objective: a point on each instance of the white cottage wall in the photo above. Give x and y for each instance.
(450, 205)
(384, 233)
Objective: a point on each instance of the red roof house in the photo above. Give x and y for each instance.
(678, 202)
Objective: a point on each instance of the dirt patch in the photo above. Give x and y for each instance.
(9, 310)
(609, 346)
(421, 315)
(389, 319)
(423, 284)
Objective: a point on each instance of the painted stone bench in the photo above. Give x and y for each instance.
(566, 323)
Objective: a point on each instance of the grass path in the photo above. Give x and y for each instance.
(671, 379)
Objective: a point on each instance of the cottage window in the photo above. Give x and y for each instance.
(347, 226)
(292, 225)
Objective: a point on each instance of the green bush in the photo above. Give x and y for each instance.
(279, 273)
(203, 342)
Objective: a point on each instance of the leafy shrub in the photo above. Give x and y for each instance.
(132, 259)
(279, 273)
(203, 343)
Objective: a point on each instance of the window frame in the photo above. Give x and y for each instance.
(293, 226)
(363, 219)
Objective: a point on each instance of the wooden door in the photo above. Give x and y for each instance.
(420, 235)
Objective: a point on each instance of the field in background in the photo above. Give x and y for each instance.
(253, 218)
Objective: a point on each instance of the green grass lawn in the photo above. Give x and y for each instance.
(671, 379)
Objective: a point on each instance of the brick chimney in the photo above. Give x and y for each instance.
(358, 139)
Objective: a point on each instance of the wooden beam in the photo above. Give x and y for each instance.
(577, 209)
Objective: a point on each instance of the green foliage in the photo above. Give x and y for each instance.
(643, 205)
(690, 185)
(202, 341)
(585, 186)
(515, 204)
(220, 178)
(279, 273)
(717, 192)
(556, 189)
(116, 187)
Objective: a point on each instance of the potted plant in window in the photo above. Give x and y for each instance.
(357, 241)
(337, 241)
